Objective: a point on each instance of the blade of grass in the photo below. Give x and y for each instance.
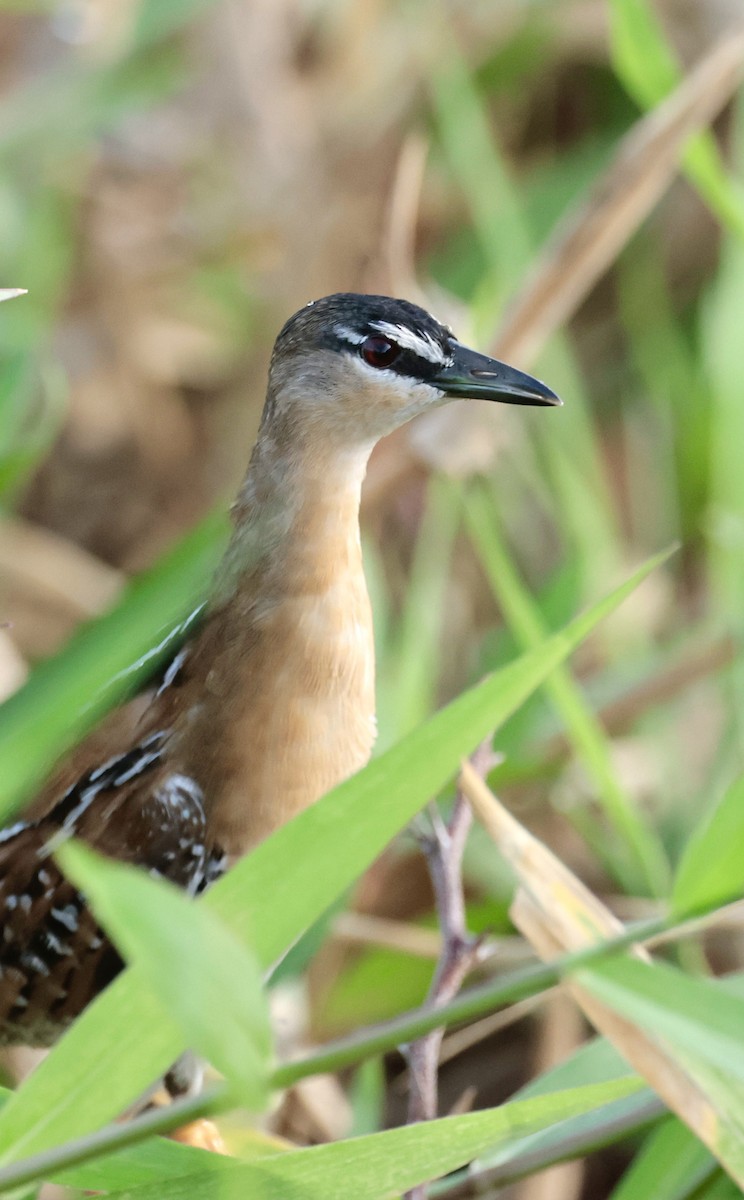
(687, 1012)
(408, 672)
(643, 864)
(382, 1164)
(102, 664)
(712, 866)
(205, 977)
(672, 1165)
(594, 1062)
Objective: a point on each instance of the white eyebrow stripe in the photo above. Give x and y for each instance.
(349, 335)
(422, 344)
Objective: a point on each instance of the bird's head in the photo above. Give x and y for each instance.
(354, 367)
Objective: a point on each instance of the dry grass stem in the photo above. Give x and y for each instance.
(364, 929)
(589, 238)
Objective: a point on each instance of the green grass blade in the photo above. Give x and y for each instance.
(204, 976)
(382, 1164)
(594, 1062)
(643, 865)
(102, 664)
(701, 1023)
(408, 671)
(712, 866)
(725, 520)
(498, 212)
(689, 1012)
(672, 1165)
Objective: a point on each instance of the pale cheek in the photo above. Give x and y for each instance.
(379, 402)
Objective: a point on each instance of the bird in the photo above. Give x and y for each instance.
(271, 700)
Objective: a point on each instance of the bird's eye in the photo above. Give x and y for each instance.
(379, 351)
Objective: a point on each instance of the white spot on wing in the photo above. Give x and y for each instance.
(67, 916)
(12, 830)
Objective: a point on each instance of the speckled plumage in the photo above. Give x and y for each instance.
(52, 953)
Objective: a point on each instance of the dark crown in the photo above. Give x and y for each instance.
(343, 321)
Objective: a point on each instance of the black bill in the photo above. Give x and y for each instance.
(478, 377)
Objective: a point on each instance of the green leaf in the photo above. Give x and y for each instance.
(498, 212)
(724, 520)
(146, 1162)
(367, 1096)
(688, 1012)
(672, 1165)
(641, 863)
(408, 674)
(701, 1022)
(89, 1077)
(102, 663)
(712, 867)
(203, 975)
(594, 1062)
(381, 1164)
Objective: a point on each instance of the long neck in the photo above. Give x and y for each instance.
(297, 510)
(286, 653)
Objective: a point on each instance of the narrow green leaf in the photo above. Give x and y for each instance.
(594, 1062)
(204, 976)
(642, 863)
(408, 675)
(701, 1023)
(102, 663)
(476, 164)
(367, 1097)
(65, 106)
(151, 1161)
(381, 1164)
(720, 1187)
(89, 1078)
(698, 1015)
(672, 1165)
(712, 867)
(724, 518)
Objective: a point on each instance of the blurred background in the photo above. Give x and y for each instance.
(178, 176)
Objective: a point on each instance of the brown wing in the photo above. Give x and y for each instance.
(53, 956)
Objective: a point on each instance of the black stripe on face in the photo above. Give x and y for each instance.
(409, 363)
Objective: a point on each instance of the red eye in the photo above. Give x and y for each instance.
(379, 352)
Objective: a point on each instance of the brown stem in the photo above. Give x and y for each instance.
(443, 849)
